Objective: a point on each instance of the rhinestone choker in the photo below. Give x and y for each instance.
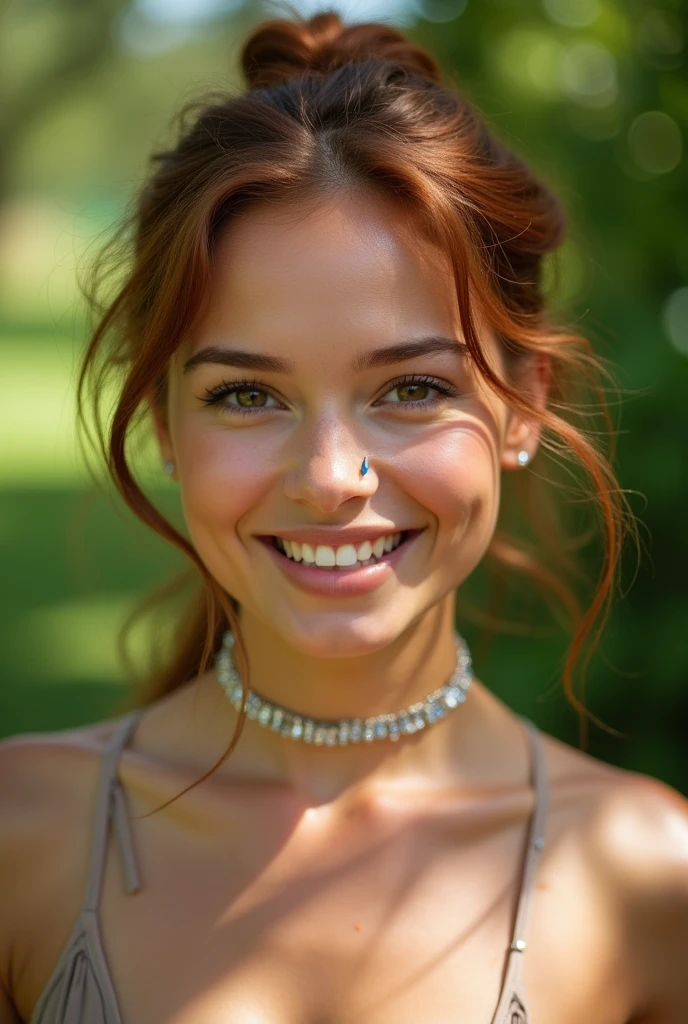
(340, 732)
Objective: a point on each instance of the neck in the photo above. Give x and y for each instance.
(450, 752)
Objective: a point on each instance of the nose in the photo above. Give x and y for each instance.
(326, 470)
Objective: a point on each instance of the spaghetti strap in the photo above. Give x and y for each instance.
(80, 989)
(111, 805)
(536, 839)
(512, 1006)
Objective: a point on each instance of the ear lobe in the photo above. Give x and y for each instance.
(523, 435)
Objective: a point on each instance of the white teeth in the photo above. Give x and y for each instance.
(325, 556)
(364, 552)
(347, 555)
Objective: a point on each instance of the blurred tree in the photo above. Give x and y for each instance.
(49, 45)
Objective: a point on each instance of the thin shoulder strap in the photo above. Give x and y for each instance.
(536, 838)
(512, 996)
(111, 805)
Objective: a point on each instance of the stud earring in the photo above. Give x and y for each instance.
(523, 458)
(364, 466)
(168, 468)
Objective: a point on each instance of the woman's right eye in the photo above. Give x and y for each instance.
(241, 397)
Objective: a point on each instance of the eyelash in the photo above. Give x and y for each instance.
(214, 396)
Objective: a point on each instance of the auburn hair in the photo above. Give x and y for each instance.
(331, 107)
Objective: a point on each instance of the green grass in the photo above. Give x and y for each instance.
(73, 562)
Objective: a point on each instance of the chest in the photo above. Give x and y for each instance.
(394, 923)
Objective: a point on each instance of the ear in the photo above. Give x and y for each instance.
(522, 434)
(162, 433)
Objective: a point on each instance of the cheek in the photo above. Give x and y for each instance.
(222, 475)
(456, 478)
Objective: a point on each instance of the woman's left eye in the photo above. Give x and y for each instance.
(416, 391)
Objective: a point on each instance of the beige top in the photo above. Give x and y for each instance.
(80, 990)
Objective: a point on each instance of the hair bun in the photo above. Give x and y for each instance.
(284, 48)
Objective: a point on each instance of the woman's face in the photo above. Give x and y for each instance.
(331, 335)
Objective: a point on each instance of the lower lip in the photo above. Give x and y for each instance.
(340, 582)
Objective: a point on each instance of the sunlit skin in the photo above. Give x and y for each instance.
(369, 884)
(326, 288)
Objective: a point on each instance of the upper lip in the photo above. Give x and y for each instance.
(335, 537)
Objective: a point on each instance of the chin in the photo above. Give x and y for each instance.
(341, 634)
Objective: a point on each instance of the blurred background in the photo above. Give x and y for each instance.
(593, 92)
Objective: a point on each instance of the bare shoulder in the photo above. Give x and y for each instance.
(631, 818)
(635, 826)
(632, 831)
(42, 777)
(38, 775)
(47, 781)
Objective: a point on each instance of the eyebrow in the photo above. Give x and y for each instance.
(399, 353)
(407, 350)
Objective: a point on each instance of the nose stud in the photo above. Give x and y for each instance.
(364, 466)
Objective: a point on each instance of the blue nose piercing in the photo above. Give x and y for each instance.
(364, 466)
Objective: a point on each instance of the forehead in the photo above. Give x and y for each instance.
(349, 270)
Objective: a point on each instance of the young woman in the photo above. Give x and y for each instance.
(333, 318)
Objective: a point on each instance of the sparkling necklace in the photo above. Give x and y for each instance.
(339, 732)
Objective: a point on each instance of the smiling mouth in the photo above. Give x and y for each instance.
(343, 557)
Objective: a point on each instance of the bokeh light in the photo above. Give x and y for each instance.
(589, 74)
(655, 142)
(675, 319)
(530, 61)
(572, 13)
